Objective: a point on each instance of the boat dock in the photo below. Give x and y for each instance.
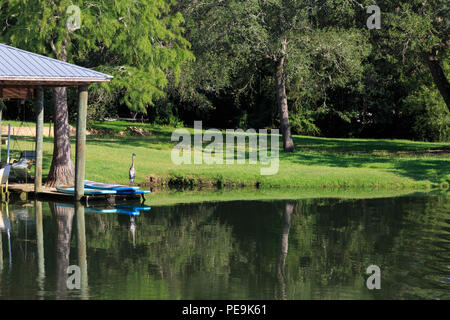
(25, 191)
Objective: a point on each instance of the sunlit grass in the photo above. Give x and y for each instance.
(317, 163)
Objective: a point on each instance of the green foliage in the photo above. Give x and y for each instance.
(302, 120)
(165, 114)
(138, 42)
(326, 59)
(431, 118)
(341, 78)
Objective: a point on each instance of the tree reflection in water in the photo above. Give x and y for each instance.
(303, 249)
(62, 219)
(284, 245)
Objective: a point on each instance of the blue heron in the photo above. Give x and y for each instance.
(132, 171)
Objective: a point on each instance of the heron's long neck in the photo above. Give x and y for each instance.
(132, 163)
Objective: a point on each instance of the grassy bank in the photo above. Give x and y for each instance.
(317, 163)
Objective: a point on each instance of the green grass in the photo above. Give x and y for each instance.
(18, 123)
(316, 164)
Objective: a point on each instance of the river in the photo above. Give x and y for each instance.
(255, 249)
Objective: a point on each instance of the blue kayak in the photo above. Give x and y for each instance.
(87, 191)
(106, 186)
(96, 210)
(114, 210)
(133, 192)
(121, 209)
(131, 207)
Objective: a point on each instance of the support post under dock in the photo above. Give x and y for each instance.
(40, 245)
(1, 116)
(80, 156)
(81, 248)
(39, 138)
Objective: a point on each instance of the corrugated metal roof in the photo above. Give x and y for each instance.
(20, 64)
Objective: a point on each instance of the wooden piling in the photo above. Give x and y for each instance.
(81, 248)
(80, 157)
(39, 138)
(1, 116)
(1, 244)
(40, 244)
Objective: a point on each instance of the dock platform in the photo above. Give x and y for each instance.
(25, 191)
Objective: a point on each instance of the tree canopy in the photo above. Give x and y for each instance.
(138, 42)
(312, 65)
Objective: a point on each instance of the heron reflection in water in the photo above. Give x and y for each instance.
(132, 173)
(133, 230)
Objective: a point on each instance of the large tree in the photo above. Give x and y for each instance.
(417, 34)
(139, 42)
(422, 29)
(245, 32)
(293, 43)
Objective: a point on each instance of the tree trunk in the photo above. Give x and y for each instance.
(439, 77)
(63, 218)
(288, 144)
(62, 170)
(281, 274)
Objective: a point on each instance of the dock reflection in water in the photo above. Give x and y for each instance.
(296, 249)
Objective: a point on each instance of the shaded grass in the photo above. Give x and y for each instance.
(317, 163)
(116, 126)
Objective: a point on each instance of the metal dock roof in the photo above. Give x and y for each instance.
(18, 65)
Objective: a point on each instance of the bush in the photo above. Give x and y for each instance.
(301, 119)
(101, 105)
(429, 114)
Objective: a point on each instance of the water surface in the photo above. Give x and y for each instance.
(283, 249)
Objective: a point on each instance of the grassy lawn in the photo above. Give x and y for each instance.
(317, 163)
(18, 123)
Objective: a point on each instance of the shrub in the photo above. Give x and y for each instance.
(429, 114)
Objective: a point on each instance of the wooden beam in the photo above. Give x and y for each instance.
(39, 138)
(47, 82)
(16, 93)
(80, 156)
(52, 79)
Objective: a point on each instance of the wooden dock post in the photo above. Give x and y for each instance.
(1, 116)
(1, 244)
(80, 156)
(40, 244)
(81, 248)
(39, 138)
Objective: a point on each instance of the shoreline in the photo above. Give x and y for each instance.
(199, 183)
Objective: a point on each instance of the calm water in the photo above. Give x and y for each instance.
(299, 249)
